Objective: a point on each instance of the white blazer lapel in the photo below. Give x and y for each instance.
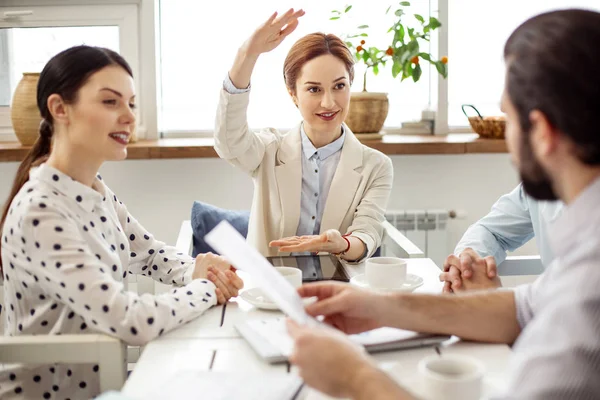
(288, 173)
(344, 184)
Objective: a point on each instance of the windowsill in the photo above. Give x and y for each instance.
(457, 143)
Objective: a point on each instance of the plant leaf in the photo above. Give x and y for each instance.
(434, 23)
(396, 69)
(407, 70)
(416, 74)
(420, 18)
(335, 11)
(364, 34)
(425, 56)
(388, 9)
(375, 69)
(399, 12)
(365, 56)
(413, 48)
(349, 44)
(405, 3)
(441, 68)
(363, 26)
(347, 9)
(334, 18)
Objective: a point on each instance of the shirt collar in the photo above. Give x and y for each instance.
(309, 149)
(576, 220)
(86, 197)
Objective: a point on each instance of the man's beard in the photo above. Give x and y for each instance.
(536, 181)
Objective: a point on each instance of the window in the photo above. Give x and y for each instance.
(31, 35)
(199, 43)
(476, 44)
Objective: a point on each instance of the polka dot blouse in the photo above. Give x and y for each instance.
(66, 250)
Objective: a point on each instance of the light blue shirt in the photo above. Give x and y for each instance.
(318, 168)
(514, 219)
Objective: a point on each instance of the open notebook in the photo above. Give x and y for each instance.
(268, 336)
(269, 339)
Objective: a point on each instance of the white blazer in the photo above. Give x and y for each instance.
(359, 192)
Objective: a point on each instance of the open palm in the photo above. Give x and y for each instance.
(330, 241)
(270, 34)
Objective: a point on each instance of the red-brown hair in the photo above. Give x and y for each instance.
(312, 46)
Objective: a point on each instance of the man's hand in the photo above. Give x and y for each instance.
(328, 361)
(458, 272)
(345, 307)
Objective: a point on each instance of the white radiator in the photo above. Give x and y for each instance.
(425, 228)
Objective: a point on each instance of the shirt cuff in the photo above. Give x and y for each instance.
(188, 275)
(230, 87)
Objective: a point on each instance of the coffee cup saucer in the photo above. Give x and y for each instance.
(256, 297)
(411, 283)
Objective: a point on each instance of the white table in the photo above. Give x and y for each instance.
(211, 344)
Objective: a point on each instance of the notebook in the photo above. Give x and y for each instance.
(268, 337)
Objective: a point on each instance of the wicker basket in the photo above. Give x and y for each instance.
(486, 127)
(367, 112)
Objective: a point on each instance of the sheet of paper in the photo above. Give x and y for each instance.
(193, 385)
(228, 242)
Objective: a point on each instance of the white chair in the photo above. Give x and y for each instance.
(394, 243)
(519, 270)
(107, 352)
(521, 265)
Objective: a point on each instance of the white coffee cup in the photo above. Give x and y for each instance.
(385, 272)
(451, 377)
(290, 274)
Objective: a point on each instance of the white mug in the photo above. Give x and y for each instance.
(385, 272)
(292, 275)
(451, 377)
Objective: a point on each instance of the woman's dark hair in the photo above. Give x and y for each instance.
(553, 61)
(64, 75)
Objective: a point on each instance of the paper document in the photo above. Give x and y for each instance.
(192, 385)
(227, 241)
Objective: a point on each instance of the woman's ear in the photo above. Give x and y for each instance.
(58, 109)
(294, 98)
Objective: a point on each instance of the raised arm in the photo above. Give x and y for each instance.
(234, 141)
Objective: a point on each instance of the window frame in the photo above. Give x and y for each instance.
(135, 20)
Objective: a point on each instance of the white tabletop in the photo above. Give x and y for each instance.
(210, 344)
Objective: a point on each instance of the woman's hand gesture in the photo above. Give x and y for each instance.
(271, 33)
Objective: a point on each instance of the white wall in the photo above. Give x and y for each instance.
(160, 193)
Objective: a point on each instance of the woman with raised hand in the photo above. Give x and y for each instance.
(317, 188)
(68, 242)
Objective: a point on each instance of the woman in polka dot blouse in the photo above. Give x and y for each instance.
(68, 242)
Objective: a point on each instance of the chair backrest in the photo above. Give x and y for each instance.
(206, 216)
(521, 265)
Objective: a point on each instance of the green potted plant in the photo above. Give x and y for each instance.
(368, 110)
